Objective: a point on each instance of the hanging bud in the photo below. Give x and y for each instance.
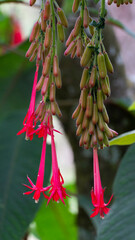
(81, 140)
(47, 11)
(100, 134)
(70, 48)
(80, 117)
(85, 59)
(53, 108)
(43, 22)
(105, 87)
(94, 139)
(75, 5)
(109, 65)
(31, 49)
(86, 18)
(39, 52)
(85, 122)
(52, 92)
(84, 78)
(60, 31)
(70, 38)
(108, 84)
(84, 94)
(100, 122)
(32, 2)
(45, 86)
(100, 100)
(34, 32)
(55, 66)
(101, 65)
(40, 83)
(79, 130)
(62, 17)
(105, 140)
(105, 114)
(86, 137)
(46, 65)
(79, 50)
(108, 132)
(58, 112)
(77, 26)
(76, 112)
(89, 106)
(95, 113)
(58, 80)
(93, 76)
(48, 37)
(33, 55)
(91, 127)
(110, 2)
(73, 52)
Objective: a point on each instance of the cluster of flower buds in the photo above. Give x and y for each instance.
(119, 2)
(43, 48)
(91, 115)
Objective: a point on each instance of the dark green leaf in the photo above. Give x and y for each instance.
(18, 159)
(119, 223)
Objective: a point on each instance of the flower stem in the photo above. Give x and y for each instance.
(102, 12)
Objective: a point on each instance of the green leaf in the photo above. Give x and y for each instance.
(119, 223)
(124, 139)
(18, 159)
(55, 221)
(132, 107)
(96, 1)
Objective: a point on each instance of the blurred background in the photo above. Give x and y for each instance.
(19, 215)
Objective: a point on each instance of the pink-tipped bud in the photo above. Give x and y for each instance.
(33, 55)
(75, 5)
(91, 127)
(52, 92)
(46, 65)
(86, 18)
(89, 106)
(39, 52)
(77, 26)
(45, 86)
(32, 2)
(70, 38)
(58, 80)
(60, 31)
(80, 48)
(80, 117)
(40, 83)
(84, 78)
(31, 49)
(43, 22)
(100, 122)
(58, 112)
(105, 114)
(47, 11)
(34, 32)
(76, 112)
(85, 122)
(79, 130)
(55, 66)
(93, 76)
(48, 37)
(86, 57)
(70, 48)
(95, 114)
(84, 94)
(62, 17)
(73, 52)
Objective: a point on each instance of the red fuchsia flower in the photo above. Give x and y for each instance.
(29, 121)
(57, 190)
(97, 195)
(38, 188)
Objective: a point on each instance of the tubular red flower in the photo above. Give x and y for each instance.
(38, 188)
(29, 120)
(57, 190)
(97, 195)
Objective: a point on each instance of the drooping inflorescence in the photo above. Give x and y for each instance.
(43, 48)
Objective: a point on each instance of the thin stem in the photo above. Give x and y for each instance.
(53, 26)
(102, 13)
